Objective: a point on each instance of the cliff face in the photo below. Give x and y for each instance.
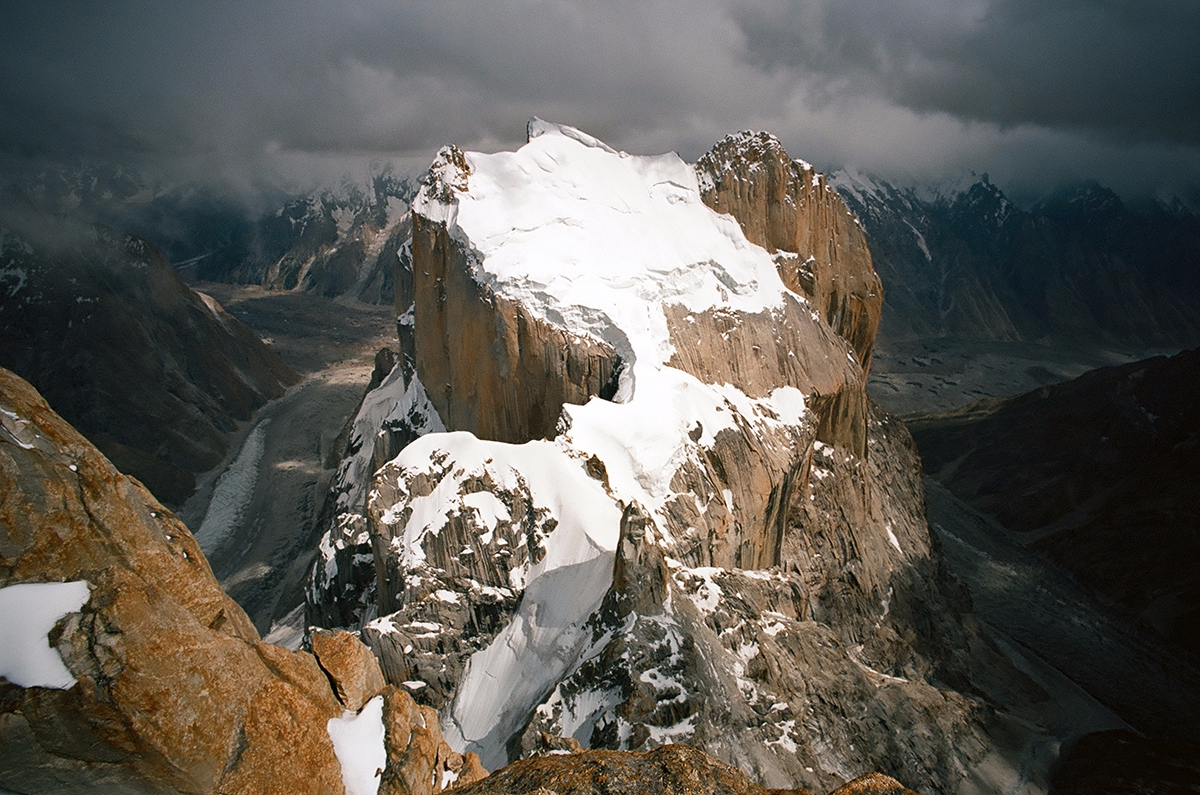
(155, 374)
(724, 544)
(785, 206)
(163, 685)
(513, 392)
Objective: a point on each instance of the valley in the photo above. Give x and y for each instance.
(261, 539)
(927, 376)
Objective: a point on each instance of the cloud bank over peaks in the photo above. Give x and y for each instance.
(910, 89)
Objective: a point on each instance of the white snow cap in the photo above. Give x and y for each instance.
(27, 614)
(599, 242)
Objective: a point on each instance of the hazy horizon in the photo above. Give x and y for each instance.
(252, 97)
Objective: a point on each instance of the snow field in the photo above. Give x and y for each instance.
(504, 681)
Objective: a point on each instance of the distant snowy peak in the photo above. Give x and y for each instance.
(861, 189)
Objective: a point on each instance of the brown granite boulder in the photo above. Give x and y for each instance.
(351, 667)
(419, 761)
(174, 691)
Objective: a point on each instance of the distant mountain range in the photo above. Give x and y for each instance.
(960, 261)
(1080, 266)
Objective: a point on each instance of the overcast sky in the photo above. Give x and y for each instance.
(1033, 91)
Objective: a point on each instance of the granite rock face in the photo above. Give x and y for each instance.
(529, 369)
(174, 688)
(694, 526)
(350, 666)
(786, 207)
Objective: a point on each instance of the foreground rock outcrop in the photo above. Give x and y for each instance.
(694, 526)
(674, 769)
(164, 684)
(155, 374)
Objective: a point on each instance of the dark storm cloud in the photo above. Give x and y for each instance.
(358, 76)
(901, 87)
(1125, 69)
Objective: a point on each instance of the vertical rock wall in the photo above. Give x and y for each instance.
(785, 206)
(488, 365)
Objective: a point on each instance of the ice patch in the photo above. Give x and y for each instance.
(892, 538)
(503, 682)
(661, 735)
(392, 401)
(27, 614)
(358, 744)
(488, 508)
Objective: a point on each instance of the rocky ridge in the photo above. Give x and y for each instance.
(166, 687)
(742, 562)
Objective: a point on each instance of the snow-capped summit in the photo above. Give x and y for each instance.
(651, 377)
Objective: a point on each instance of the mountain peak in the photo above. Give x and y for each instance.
(539, 127)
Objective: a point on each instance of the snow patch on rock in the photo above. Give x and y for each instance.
(28, 612)
(358, 743)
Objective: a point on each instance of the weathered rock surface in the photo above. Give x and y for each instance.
(802, 673)
(350, 666)
(419, 762)
(873, 784)
(174, 691)
(531, 368)
(786, 207)
(675, 769)
(153, 373)
(727, 548)
(174, 687)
